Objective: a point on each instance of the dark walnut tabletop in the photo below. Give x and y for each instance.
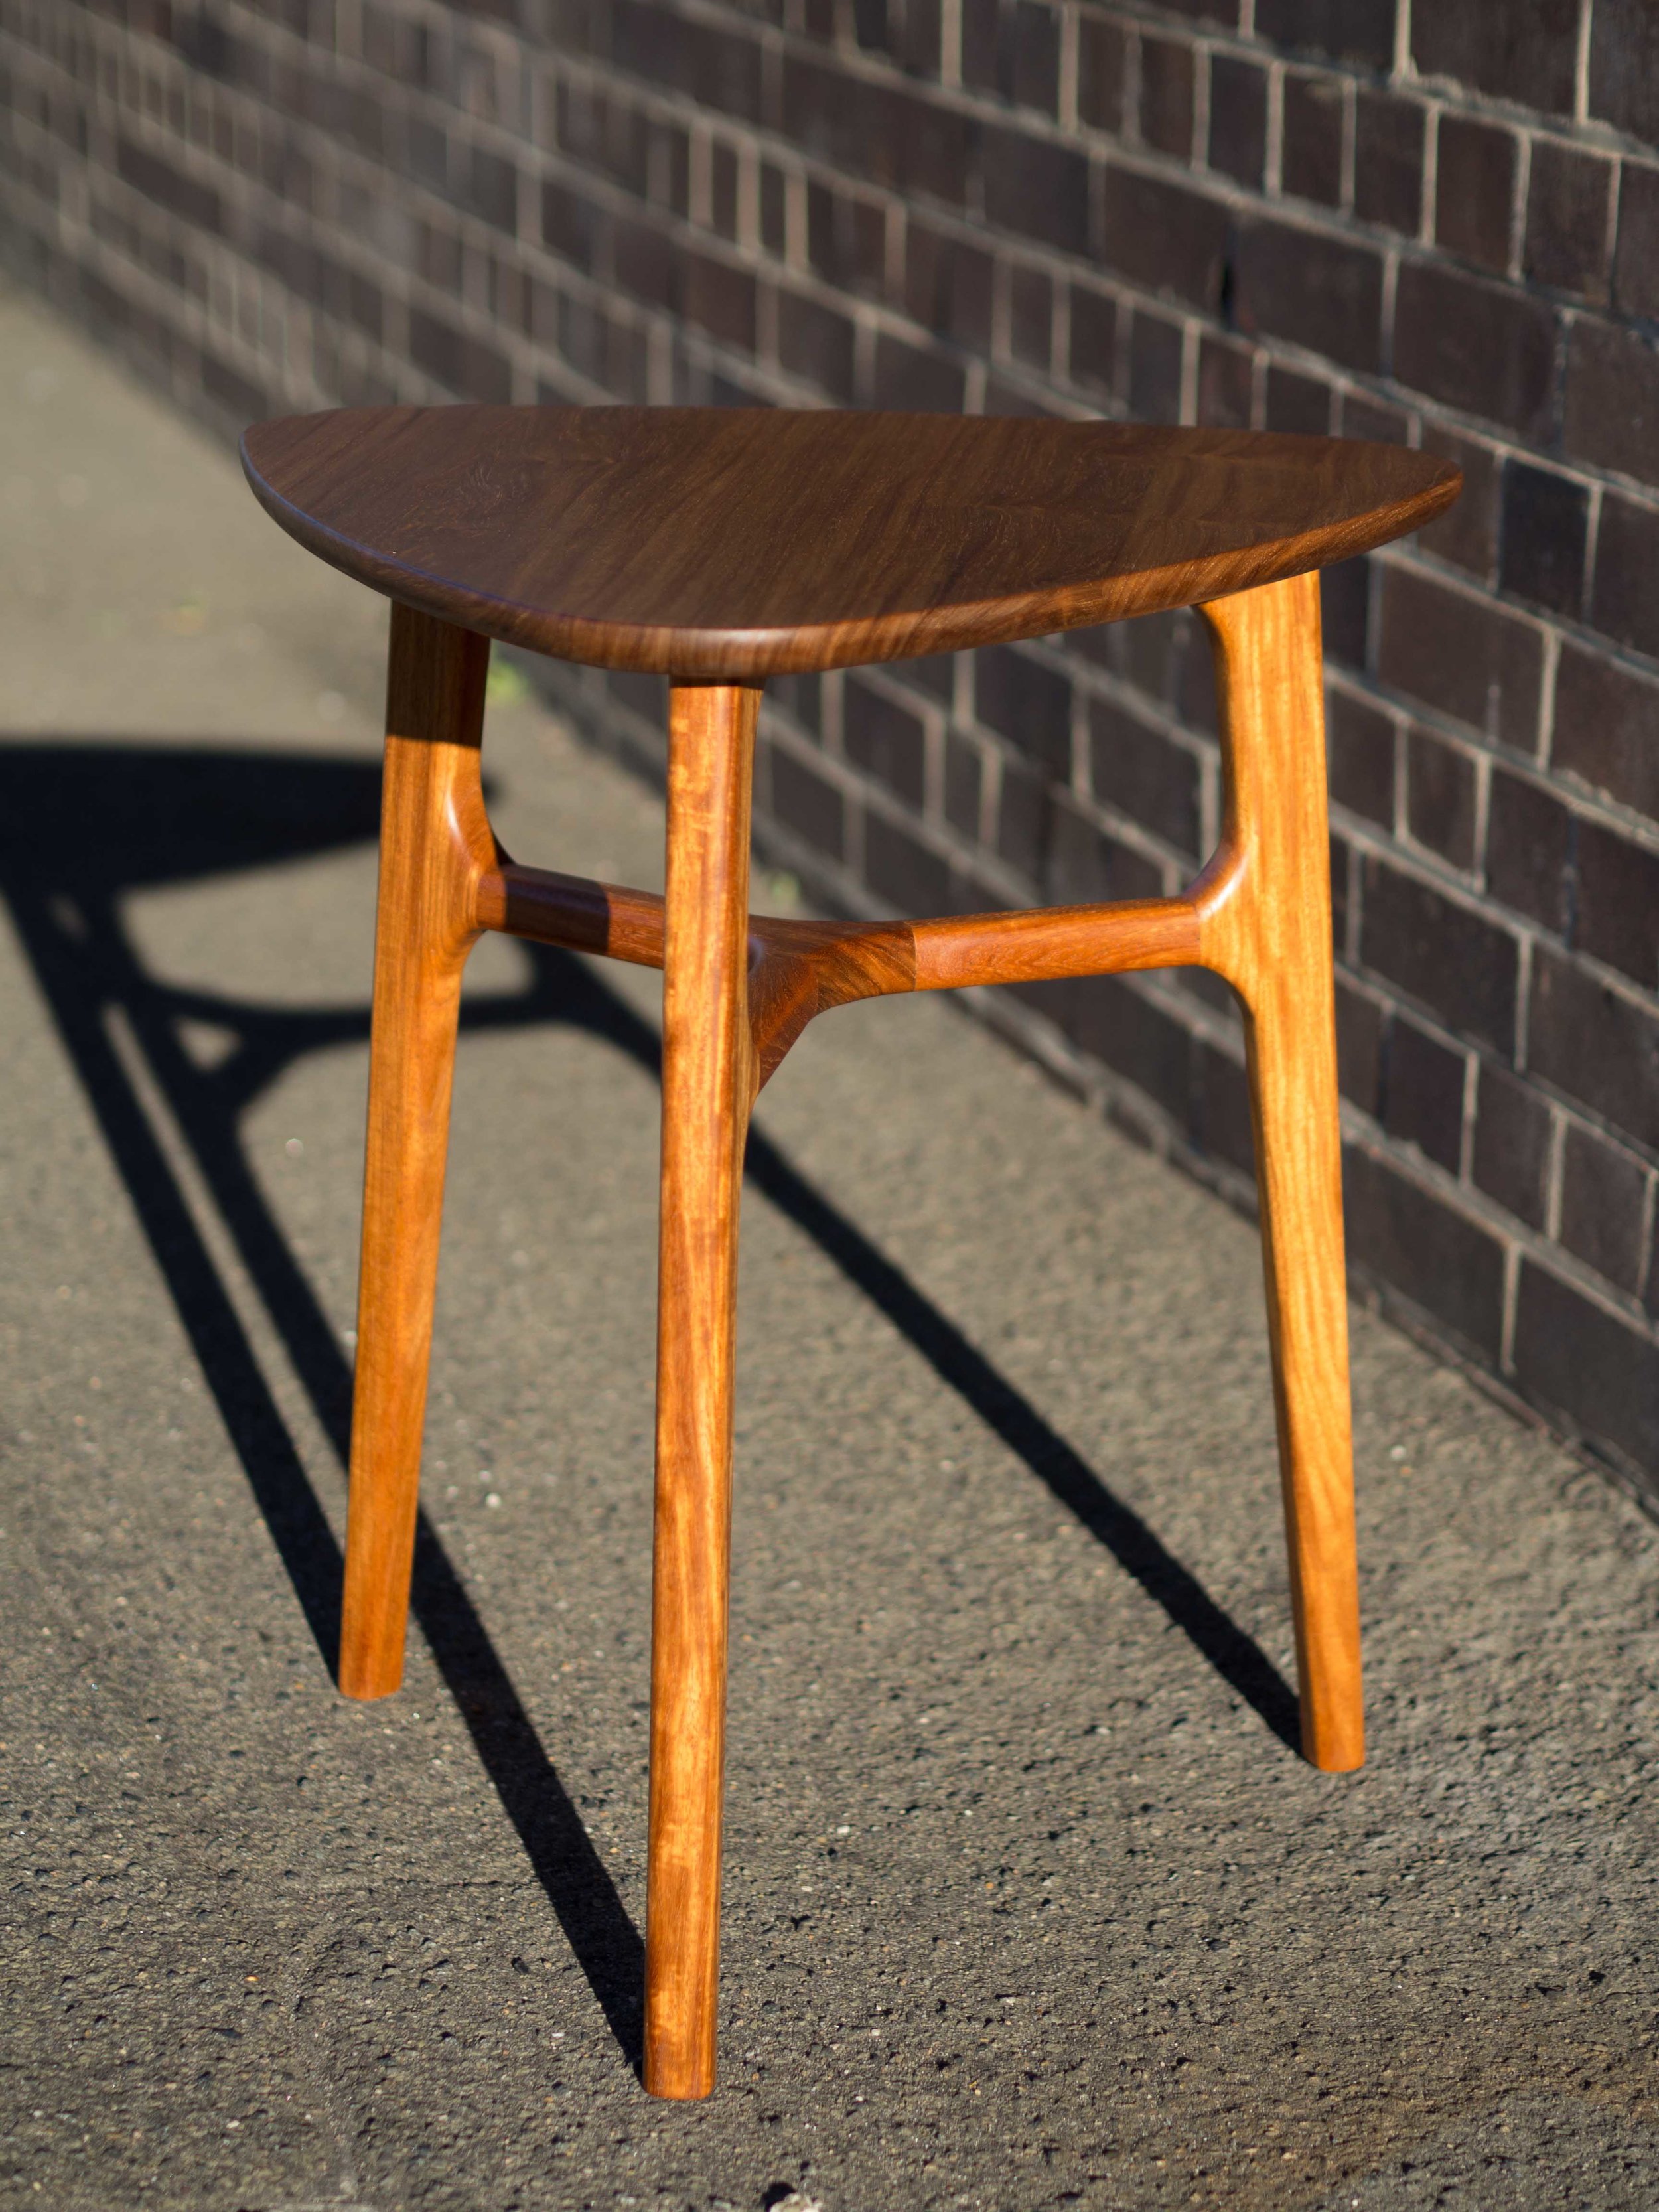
(729, 544)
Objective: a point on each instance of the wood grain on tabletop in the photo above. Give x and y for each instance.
(731, 543)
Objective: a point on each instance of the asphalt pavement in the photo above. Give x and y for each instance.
(1030, 1900)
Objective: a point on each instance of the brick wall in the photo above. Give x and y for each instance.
(1306, 215)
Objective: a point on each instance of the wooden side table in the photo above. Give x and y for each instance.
(719, 547)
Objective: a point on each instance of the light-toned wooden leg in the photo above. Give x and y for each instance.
(435, 846)
(705, 1097)
(1267, 929)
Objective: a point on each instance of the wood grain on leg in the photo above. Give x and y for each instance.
(706, 1091)
(1266, 927)
(436, 848)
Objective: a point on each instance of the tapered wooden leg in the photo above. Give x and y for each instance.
(434, 846)
(705, 1096)
(1271, 937)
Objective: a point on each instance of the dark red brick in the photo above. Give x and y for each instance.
(1359, 1025)
(1345, 599)
(1585, 1363)
(809, 804)
(1139, 773)
(1031, 315)
(643, 262)
(1136, 1038)
(1298, 403)
(723, 189)
(492, 190)
(1569, 194)
(1452, 959)
(1310, 155)
(1422, 1093)
(1225, 384)
(773, 209)
(1318, 292)
(1094, 340)
(1636, 257)
(987, 60)
(964, 781)
(1194, 681)
(886, 135)
(801, 697)
(1024, 807)
(1603, 1199)
(1464, 655)
(1342, 877)
(1359, 741)
(915, 382)
(948, 286)
(1036, 56)
(1387, 162)
(1147, 653)
(1447, 1265)
(1166, 96)
(1029, 704)
(816, 342)
(169, 187)
(1526, 52)
(918, 43)
(1511, 1156)
(1531, 851)
(1618, 904)
(1623, 67)
(1487, 351)
(884, 739)
(1164, 236)
(438, 256)
(1369, 418)
(1036, 187)
(243, 401)
(1613, 399)
(1343, 30)
(1154, 369)
(847, 240)
(1101, 74)
(1595, 1045)
(461, 363)
(1624, 598)
(932, 674)
(899, 868)
(1088, 866)
(571, 224)
(717, 298)
(717, 66)
(1474, 190)
(1441, 788)
(1546, 529)
(1238, 118)
(1606, 725)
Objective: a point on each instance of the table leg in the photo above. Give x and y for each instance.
(1271, 938)
(435, 844)
(705, 1094)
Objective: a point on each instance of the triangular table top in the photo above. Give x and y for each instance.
(728, 543)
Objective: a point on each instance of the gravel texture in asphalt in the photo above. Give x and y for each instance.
(1028, 1900)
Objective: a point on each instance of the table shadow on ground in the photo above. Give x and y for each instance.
(83, 825)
